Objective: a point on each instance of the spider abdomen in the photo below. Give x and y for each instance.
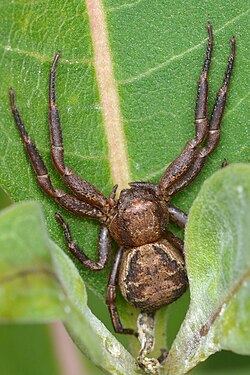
(152, 275)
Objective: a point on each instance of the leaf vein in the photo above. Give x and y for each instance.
(124, 6)
(150, 71)
(43, 58)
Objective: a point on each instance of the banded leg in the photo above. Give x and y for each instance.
(180, 166)
(199, 156)
(214, 129)
(83, 189)
(111, 297)
(104, 247)
(65, 200)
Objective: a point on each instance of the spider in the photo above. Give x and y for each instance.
(149, 265)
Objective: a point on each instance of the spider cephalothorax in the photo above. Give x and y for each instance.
(149, 263)
(140, 218)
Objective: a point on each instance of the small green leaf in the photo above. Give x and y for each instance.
(218, 263)
(29, 289)
(39, 283)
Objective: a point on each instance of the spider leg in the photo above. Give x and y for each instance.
(175, 241)
(213, 132)
(177, 216)
(218, 110)
(65, 200)
(81, 188)
(163, 356)
(187, 166)
(224, 164)
(111, 297)
(180, 166)
(104, 247)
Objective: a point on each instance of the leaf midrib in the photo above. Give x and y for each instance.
(109, 97)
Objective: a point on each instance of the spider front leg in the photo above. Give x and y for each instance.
(81, 188)
(67, 201)
(181, 165)
(104, 247)
(187, 166)
(213, 132)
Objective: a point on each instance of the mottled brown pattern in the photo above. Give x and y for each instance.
(152, 275)
(140, 218)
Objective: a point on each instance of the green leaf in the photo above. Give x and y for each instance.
(154, 51)
(39, 283)
(218, 264)
(27, 349)
(29, 288)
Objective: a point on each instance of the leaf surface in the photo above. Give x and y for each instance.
(218, 264)
(39, 283)
(156, 50)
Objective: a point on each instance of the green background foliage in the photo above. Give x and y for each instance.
(218, 265)
(157, 52)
